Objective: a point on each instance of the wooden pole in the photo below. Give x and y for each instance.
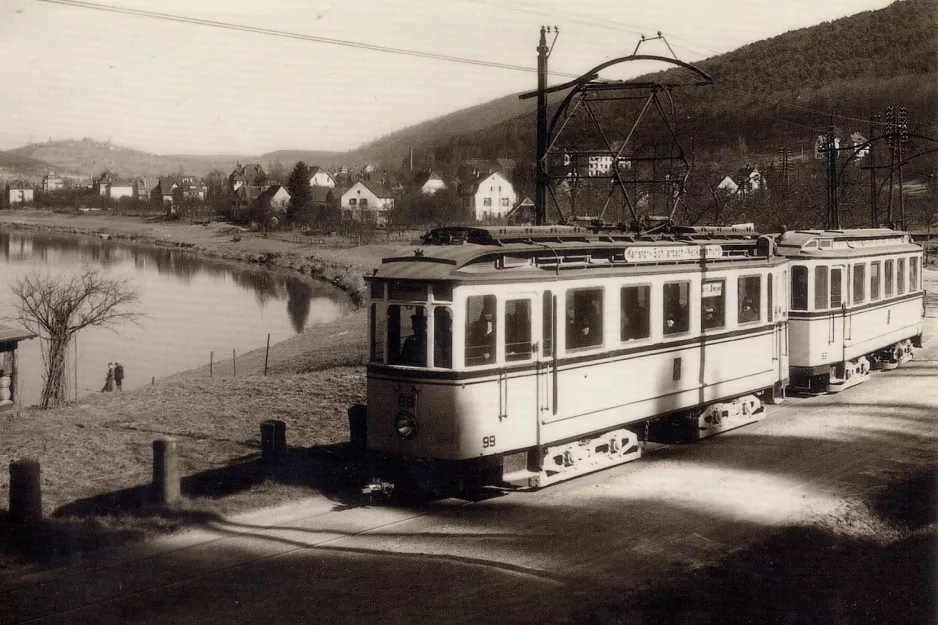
(211, 364)
(267, 353)
(234, 363)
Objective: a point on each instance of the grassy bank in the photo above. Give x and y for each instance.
(96, 457)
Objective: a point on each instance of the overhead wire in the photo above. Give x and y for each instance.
(300, 36)
(612, 24)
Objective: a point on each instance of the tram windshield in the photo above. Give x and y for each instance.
(411, 341)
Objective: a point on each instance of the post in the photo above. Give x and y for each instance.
(25, 492)
(874, 217)
(166, 489)
(211, 364)
(540, 183)
(267, 353)
(234, 363)
(273, 440)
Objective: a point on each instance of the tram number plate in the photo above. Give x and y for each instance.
(488, 441)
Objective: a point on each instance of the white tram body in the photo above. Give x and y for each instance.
(856, 303)
(549, 352)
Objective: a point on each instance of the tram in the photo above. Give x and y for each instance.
(528, 355)
(857, 304)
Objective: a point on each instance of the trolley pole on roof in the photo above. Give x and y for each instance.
(540, 181)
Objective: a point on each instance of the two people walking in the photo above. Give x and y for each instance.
(115, 377)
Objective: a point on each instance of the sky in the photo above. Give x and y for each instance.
(165, 86)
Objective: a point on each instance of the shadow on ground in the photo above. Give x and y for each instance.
(809, 575)
(111, 519)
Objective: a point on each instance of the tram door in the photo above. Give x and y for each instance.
(546, 404)
(838, 310)
(518, 391)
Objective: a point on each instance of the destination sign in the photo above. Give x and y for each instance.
(652, 253)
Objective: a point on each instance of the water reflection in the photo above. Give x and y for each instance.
(192, 305)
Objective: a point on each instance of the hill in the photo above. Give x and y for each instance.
(766, 95)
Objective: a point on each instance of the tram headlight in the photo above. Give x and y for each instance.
(406, 424)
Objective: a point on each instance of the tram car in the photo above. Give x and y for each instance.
(857, 304)
(528, 355)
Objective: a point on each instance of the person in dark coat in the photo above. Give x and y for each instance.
(118, 375)
(109, 380)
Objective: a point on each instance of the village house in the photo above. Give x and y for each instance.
(272, 204)
(19, 193)
(428, 183)
(366, 200)
(488, 196)
(141, 190)
(319, 177)
(51, 182)
(251, 174)
(109, 185)
(165, 190)
(193, 188)
(323, 198)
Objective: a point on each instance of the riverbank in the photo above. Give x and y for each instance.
(334, 259)
(97, 456)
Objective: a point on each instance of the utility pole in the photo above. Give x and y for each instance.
(874, 217)
(540, 182)
(833, 215)
(891, 136)
(902, 137)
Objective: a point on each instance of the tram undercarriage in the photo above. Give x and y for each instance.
(844, 375)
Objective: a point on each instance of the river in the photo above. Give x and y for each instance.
(191, 307)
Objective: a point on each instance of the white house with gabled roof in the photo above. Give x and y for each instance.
(366, 199)
(488, 196)
(319, 177)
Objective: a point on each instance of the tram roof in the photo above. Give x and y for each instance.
(445, 251)
(860, 241)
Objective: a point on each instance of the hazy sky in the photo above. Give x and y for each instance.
(168, 87)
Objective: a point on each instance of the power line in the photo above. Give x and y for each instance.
(300, 36)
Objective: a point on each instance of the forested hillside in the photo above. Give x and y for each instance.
(768, 95)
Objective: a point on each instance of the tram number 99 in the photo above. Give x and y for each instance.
(488, 441)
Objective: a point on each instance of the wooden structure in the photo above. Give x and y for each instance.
(9, 339)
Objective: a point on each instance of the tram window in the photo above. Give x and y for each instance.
(676, 309)
(443, 292)
(584, 318)
(913, 274)
(409, 322)
(547, 325)
(634, 313)
(712, 304)
(836, 291)
(518, 329)
(377, 289)
(480, 330)
(377, 335)
(442, 338)
(859, 283)
(749, 298)
(821, 274)
(900, 276)
(799, 287)
(769, 299)
(875, 280)
(887, 270)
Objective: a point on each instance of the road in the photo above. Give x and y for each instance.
(522, 557)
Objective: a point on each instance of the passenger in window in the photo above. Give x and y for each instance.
(582, 328)
(747, 312)
(677, 317)
(414, 350)
(480, 342)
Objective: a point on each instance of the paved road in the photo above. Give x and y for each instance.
(522, 557)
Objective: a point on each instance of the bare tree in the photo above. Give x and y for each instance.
(58, 307)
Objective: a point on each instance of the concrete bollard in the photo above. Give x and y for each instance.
(25, 492)
(273, 440)
(166, 487)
